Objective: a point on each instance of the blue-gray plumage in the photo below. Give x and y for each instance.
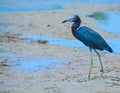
(89, 37)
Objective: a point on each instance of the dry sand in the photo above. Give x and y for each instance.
(72, 77)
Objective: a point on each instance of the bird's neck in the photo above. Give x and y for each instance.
(75, 26)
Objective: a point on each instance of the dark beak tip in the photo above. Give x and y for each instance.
(64, 21)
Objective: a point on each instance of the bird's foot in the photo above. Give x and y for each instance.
(88, 77)
(101, 70)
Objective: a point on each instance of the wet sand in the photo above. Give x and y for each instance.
(71, 75)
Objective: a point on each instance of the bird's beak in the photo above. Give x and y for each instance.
(64, 21)
(69, 20)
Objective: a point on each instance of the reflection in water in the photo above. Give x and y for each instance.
(108, 21)
(114, 43)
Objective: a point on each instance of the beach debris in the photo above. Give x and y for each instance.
(4, 62)
(42, 41)
(48, 25)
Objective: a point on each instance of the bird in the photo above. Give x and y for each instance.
(89, 38)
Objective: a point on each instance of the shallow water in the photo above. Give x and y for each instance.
(2, 28)
(53, 40)
(37, 5)
(114, 43)
(112, 24)
(108, 21)
(33, 64)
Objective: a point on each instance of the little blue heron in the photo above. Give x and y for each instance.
(90, 38)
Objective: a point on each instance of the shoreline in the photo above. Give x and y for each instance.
(71, 77)
(105, 7)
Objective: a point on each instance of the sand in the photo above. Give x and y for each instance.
(74, 63)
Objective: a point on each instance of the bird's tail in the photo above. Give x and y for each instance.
(109, 49)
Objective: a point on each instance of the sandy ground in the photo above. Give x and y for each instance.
(72, 76)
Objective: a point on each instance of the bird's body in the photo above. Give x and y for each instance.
(89, 37)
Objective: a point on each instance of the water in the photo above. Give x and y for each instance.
(38, 63)
(37, 5)
(2, 28)
(108, 21)
(53, 40)
(114, 43)
(112, 24)
(33, 64)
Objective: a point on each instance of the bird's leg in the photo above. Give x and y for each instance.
(99, 60)
(90, 65)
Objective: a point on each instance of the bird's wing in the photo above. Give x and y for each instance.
(91, 38)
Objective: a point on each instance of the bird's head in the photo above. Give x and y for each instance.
(73, 18)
